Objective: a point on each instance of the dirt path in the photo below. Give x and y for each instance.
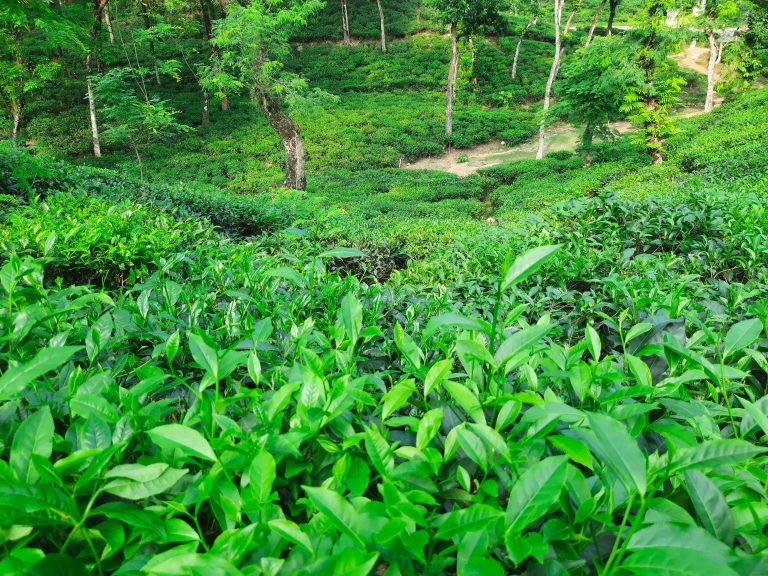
(464, 162)
(696, 58)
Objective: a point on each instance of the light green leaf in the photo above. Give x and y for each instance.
(537, 489)
(261, 476)
(286, 273)
(291, 532)
(205, 354)
(638, 330)
(684, 547)
(352, 316)
(33, 437)
(593, 342)
(714, 454)
(671, 562)
(460, 522)
(342, 252)
(132, 489)
(408, 347)
(341, 514)
(437, 374)
(639, 370)
(520, 341)
(17, 378)
(741, 335)
(397, 397)
(612, 444)
(452, 320)
(527, 264)
(710, 505)
(138, 472)
(429, 426)
(573, 448)
(183, 438)
(464, 397)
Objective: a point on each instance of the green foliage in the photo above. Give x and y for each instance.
(246, 405)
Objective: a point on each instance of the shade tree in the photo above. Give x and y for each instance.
(252, 43)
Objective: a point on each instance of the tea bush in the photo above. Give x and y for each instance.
(253, 408)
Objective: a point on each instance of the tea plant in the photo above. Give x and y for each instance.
(251, 408)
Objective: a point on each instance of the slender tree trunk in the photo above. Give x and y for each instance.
(98, 9)
(16, 114)
(558, 12)
(108, 22)
(516, 59)
(572, 15)
(383, 29)
(653, 141)
(594, 24)
(147, 26)
(565, 31)
(206, 108)
(452, 73)
(224, 103)
(96, 141)
(586, 144)
(611, 16)
(709, 102)
(472, 59)
(94, 124)
(290, 134)
(345, 22)
(138, 160)
(204, 9)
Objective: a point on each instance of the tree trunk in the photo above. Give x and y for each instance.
(147, 26)
(611, 16)
(98, 9)
(108, 22)
(345, 22)
(552, 75)
(569, 22)
(452, 72)
(720, 48)
(383, 29)
(224, 103)
(138, 160)
(206, 108)
(565, 31)
(204, 9)
(16, 113)
(594, 24)
(472, 59)
(653, 141)
(586, 144)
(92, 110)
(709, 102)
(515, 60)
(290, 134)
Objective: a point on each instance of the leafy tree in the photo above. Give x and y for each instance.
(135, 118)
(713, 17)
(534, 9)
(557, 18)
(23, 67)
(345, 22)
(650, 104)
(252, 44)
(465, 18)
(612, 6)
(595, 83)
(382, 27)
